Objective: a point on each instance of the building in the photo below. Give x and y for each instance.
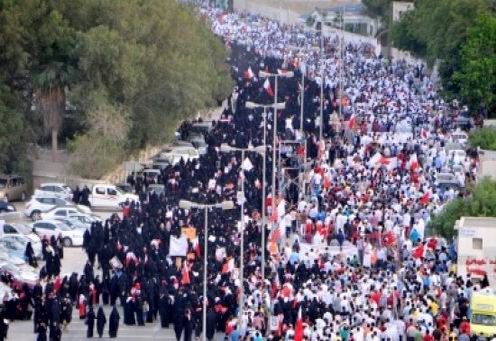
(349, 16)
(477, 247)
(400, 7)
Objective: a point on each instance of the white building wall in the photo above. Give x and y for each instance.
(469, 258)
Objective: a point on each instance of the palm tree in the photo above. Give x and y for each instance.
(50, 98)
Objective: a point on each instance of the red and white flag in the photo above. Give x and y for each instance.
(352, 121)
(424, 200)
(298, 335)
(228, 266)
(185, 280)
(249, 73)
(424, 133)
(268, 88)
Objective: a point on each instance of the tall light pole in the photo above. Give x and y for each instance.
(341, 64)
(251, 105)
(321, 126)
(225, 205)
(262, 74)
(261, 150)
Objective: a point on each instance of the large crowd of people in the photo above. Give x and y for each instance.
(350, 254)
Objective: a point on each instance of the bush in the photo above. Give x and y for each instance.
(481, 203)
(93, 155)
(484, 138)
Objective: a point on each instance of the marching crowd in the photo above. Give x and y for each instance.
(347, 259)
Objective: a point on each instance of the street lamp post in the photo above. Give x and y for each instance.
(251, 105)
(225, 205)
(263, 74)
(261, 150)
(321, 126)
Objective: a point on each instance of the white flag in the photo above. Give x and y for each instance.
(247, 165)
(178, 246)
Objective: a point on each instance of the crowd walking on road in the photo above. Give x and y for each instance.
(348, 257)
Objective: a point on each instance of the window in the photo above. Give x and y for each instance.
(49, 226)
(59, 202)
(61, 213)
(111, 191)
(477, 243)
(100, 190)
(45, 226)
(9, 229)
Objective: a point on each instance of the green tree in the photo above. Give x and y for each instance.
(477, 73)
(484, 138)
(155, 60)
(481, 203)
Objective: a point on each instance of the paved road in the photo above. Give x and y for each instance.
(74, 261)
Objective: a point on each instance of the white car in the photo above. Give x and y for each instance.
(57, 189)
(109, 197)
(51, 227)
(22, 232)
(73, 223)
(85, 219)
(175, 154)
(23, 241)
(65, 211)
(20, 274)
(459, 136)
(43, 203)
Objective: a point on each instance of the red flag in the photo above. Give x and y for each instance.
(185, 275)
(432, 243)
(273, 217)
(384, 161)
(268, 88)
(249, 73)
(424, 200)
(352, 121)
(228, 266)
(298, 336)
(424, 133)
(389, 238)
(276, 235)
(418, 252)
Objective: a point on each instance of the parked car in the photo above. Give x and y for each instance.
(52, 227)
(19, 274)
(86, 218)
(42, 203)
(23, 232)
(64, 211)
(151, 174)
(23, 241)
(6, 207)
(57, 189)
(160, 164)
(174, 154)
(109, 196)
(459, 137)
(73, 223)
(446, 181)
(125, 187)
(12, 188)
(13, 246)
(198, 141)
(203, 128)
(156, 188)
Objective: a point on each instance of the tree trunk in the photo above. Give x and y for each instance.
(55, 145)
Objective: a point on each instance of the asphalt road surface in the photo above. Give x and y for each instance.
(74, 261)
